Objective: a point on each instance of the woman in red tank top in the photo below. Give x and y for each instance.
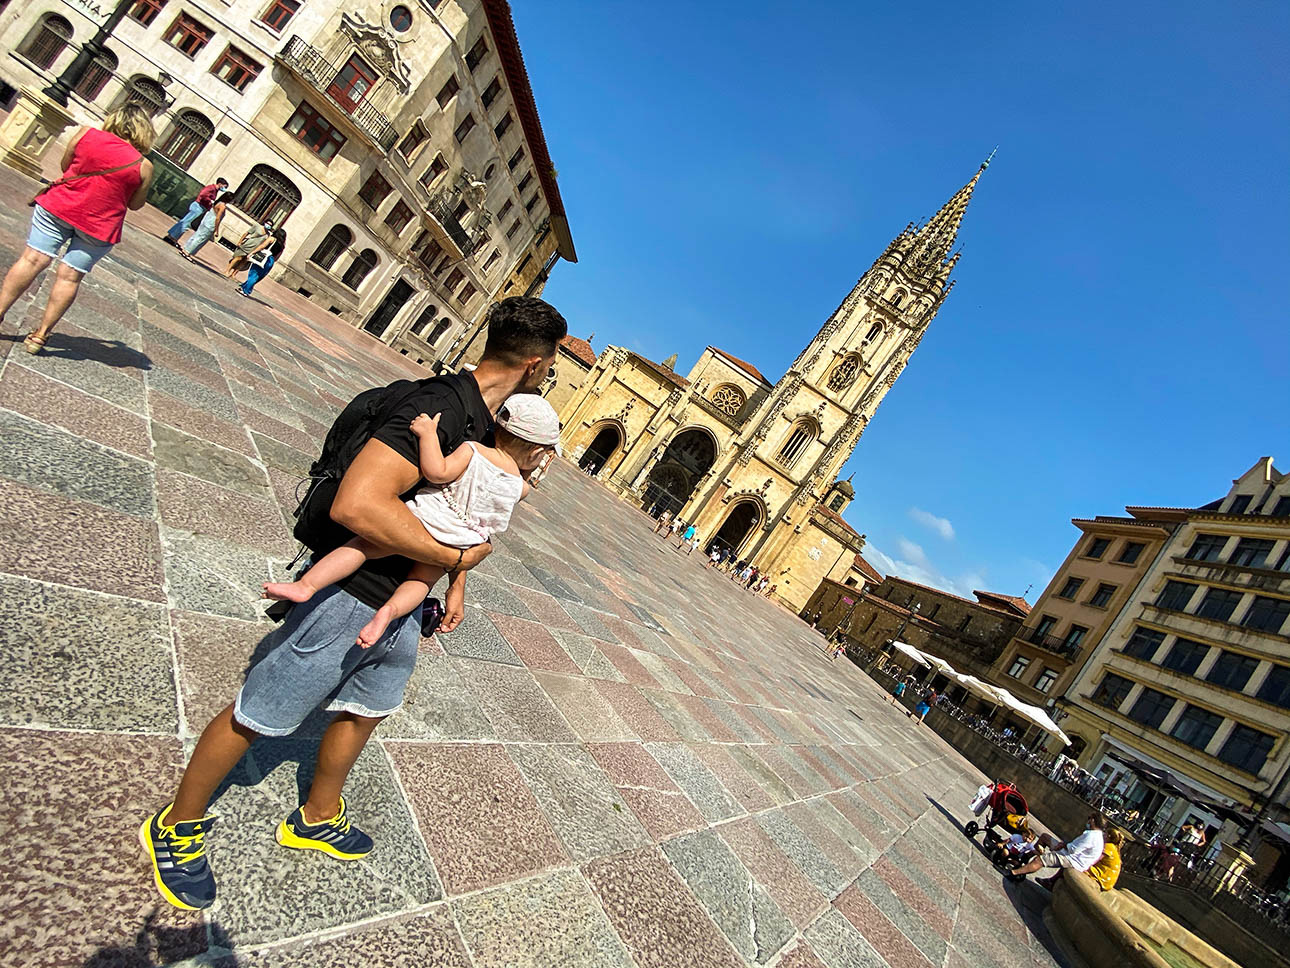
(104, 174)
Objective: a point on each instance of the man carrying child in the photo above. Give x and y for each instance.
(316, 657)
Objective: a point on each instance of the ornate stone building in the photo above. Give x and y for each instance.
(754, 463)
(398, 141)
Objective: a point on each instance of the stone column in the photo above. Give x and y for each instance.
(31, 129)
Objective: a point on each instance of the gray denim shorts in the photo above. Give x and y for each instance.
(316, 660)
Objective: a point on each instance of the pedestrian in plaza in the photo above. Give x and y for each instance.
(664, 522)
(268, 258)
(677, 525)
(207, 227)
(925, 705)
(687, 536)
(104, 174)
(1080, 854)
(198, 207)
(314, 658)
(752, 578)
(253, 240)
(714, 557)
(1107, 870)
(898, 692)
(694, 546)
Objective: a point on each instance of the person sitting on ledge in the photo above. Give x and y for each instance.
(1107, 870)
(1080, 854)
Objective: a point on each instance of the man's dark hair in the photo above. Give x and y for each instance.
(522, 327)
(222, 181)
(1099, 820)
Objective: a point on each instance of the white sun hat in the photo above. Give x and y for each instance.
(529, 417)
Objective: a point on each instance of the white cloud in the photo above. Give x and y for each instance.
(932, 522)
(913, 564)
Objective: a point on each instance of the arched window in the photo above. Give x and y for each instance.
(489, 172)
(728, 399)
(439, 330)
(188, 134)
(837, 502)
(359, 269)
(874, 332)
(425, 320)
(96, 75)
(47, 40)
(844, 374)
(336, 241)
(897, 298)
(146, 93)
(801, 435)
(267, 195)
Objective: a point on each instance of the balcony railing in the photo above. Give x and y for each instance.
(312, 68)
(1049, 643)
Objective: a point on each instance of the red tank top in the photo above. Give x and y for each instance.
(96, 205)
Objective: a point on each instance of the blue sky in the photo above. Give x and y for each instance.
(1118, 332)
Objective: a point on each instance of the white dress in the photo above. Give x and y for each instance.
(471, 509)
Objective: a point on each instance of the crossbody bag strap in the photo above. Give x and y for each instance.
(90, 174)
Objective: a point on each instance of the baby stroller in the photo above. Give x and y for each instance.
(1006, 809)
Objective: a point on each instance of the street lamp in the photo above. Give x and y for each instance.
(913, 613)
(58, 91)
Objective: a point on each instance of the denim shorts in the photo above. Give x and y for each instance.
(315, 660)
(49, 234)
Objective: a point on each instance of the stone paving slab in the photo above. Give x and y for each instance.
(619, 759)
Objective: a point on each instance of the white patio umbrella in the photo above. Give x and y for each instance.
(912, 652)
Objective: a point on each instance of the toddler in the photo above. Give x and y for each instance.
(468, 498)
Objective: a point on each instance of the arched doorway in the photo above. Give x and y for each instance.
(688, 457)
(601, 449)
(739, 523)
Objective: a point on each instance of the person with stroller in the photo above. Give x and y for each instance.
(1017, 849)
(1079, 854)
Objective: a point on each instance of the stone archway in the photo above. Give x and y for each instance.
(600, 450)
(739, 524)
(688, 457)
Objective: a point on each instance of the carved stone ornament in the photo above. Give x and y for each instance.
(380, 49)
(728, 399)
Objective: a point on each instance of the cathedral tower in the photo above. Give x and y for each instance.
(754, 464)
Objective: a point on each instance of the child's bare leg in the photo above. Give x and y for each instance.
(327, 570)
(406, 597)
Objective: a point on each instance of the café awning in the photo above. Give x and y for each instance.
(912, 652)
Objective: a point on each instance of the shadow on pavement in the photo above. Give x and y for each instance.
(156, 945)
(109, 352)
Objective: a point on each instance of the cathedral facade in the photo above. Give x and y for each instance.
(754, 464)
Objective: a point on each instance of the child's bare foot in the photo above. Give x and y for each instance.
(371, 632)
(288, 591)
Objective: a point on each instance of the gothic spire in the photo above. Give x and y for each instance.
(936, 238)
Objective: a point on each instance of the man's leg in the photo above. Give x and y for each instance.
(337, 753)
(223, 742)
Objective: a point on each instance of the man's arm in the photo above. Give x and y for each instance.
(368, 504)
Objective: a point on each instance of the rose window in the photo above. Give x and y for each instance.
(727, 399)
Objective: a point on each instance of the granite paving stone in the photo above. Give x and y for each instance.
(659, 920)
(51, 914)
(588, 713)
(213, 654)
(667, 705)
(740, 906)
(699, 783)
(438, 705)
(494, 595)
(58, 405)
(425, 939)
(67, 360)
(580, 803)
(742, 785)
(793, 892)
(177, 415)
(197, 456)
(840, 945)
(534, 644)
(44, 457)
(193, 505)
(477, 638)
(886, 938)
(910, 922)
(205, 574)
(514, 702)
(549, 920)
(53, 538)
(636, 711)
(802, 851)
(480, 820)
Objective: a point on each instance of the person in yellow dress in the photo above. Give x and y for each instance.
(1107, 870)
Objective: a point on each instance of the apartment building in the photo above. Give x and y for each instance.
(398, 143)
(1100, 575)
(1193, 674)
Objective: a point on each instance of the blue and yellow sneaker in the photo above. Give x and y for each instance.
(179, 865)
(337, 836)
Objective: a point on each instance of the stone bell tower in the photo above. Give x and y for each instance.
(810, 422)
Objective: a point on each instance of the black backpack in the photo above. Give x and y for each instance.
(351, 430)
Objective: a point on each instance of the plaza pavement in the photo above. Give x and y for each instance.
(620, 759)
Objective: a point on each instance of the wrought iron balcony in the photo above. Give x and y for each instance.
(309, 65)
(1049, 643)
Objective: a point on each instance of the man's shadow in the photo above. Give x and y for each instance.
(155, 944)
(109, 352)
